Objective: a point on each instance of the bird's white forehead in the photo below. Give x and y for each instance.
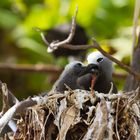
(92, 57)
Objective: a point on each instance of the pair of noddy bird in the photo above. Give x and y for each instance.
(78, 76)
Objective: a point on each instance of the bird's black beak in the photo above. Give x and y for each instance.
(91, 68)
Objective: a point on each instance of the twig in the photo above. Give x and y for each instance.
(67, 87)
(55, 44)
(111, 89)
(41, 34)
(118, 95)
(116, 122)
(44, 39)
(133, 100)
(110, 96)
(5, 98)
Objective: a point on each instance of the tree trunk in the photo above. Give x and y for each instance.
(131, 82)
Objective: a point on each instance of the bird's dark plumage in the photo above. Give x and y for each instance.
(70, 75)
(61, 33)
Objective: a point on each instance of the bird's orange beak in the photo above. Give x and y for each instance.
(94, 77)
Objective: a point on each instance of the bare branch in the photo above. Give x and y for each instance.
(55, 44)
(30, 68)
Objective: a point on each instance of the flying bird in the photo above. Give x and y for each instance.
(70, 75)
(104, 76)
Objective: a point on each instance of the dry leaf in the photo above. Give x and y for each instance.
(68, 119)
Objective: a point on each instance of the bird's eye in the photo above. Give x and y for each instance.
(79, 64)
(99, 59)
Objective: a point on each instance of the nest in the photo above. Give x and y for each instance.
(80, 115)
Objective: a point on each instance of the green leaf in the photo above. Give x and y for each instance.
(8, 19)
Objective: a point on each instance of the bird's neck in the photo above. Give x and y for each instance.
(64, 79)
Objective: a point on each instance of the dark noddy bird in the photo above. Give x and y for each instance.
(61, 32)
(70, 75)
(104, 76)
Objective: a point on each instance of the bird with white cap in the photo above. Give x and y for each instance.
(103, 78)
